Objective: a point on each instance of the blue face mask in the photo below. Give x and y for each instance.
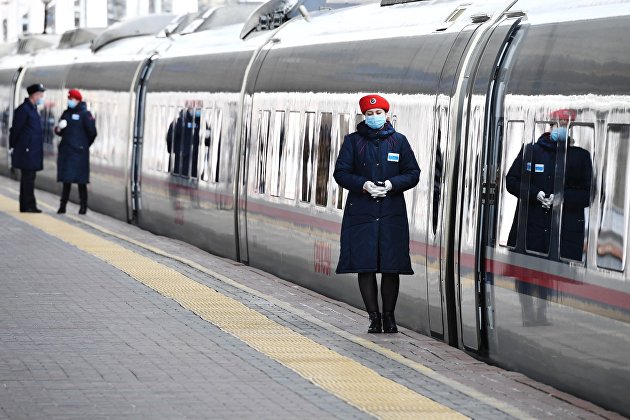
(375, 121)
(198, 113)
(40, 101)
(72, 103)
(559, 133)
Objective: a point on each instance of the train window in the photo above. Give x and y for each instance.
(508, 215)
(276, 148)
(613, 219)
(342, 132)
(308, 157)
(323, 159)
(205, 134)
(291, 163)
(215, 150)
(263, 131)
(576, 194)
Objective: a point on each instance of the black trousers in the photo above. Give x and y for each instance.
(65, 193)
(27, 190)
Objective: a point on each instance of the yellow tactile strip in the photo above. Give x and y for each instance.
(337, 374)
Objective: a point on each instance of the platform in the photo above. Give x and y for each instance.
(99, 319)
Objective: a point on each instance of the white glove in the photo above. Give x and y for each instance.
(541, 197)
(548, 202)
(63, 124)
(374, 190)
(388, 186)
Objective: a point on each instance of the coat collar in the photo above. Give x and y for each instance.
(371, 134)
(28, 102)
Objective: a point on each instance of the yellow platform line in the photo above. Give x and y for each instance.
(339, 375)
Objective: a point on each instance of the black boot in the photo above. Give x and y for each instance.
(375, 323)
(83, 198)
(389, 323)
(62, 207)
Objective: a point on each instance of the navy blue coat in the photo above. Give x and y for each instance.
(375, 232)
(576, 195)
(26, 137)
(182, 136)
(73, 161)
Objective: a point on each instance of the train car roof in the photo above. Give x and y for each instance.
(140, 26)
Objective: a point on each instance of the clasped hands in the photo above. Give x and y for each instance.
(546, 201)
(377, 191)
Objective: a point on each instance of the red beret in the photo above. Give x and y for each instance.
(373, 101)
(564, 114)
(75, 94)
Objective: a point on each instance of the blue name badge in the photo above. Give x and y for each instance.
(393, 157)
(539, 167)
(75, 117)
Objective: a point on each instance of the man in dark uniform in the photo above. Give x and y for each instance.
(26, 138)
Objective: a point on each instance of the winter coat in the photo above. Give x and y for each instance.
(540, 166)
(182, 140)
(73, 161)
(26, 137)
(375, 231)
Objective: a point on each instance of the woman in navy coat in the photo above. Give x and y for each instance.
(376, 165)
(77, 129)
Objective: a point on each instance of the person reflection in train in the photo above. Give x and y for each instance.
(182, 142)
(77, 128)
(376, 165)
(531, 178)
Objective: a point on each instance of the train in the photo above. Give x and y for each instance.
(472, 84)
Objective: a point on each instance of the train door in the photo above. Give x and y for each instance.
(439, 290)
(8, 85)
(134, 203)
(247, 125)
(476, 195)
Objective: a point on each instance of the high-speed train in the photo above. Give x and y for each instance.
(472, 84)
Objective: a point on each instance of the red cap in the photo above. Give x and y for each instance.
(564, 114)
(373, 101)
(75, 94)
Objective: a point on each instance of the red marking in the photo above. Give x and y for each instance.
(322, 257)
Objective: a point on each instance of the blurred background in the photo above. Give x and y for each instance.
(21, 17)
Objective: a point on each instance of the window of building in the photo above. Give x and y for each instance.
(613, 219)
(323, 159)
(308, 157)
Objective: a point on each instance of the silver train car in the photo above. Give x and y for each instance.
(471, 85)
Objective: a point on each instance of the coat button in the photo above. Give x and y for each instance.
(378, 164)
(378, 201)
(377, 219)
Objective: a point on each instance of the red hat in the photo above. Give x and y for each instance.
(75, 94)
(373, 101)
(564, 114)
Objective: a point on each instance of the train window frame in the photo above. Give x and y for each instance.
(262, 134)
(338, 192)
(587, 215)
(216, 140)
(324, 148)
(276, 149)
(307, 168)
(291, 164)
(607, 176)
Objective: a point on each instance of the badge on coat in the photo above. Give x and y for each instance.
(393, 157)
(538, 167)
(75, 117)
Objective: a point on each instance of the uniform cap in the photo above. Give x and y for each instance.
(373, 101)
(75, 94)
(564, 114)
(37, 87)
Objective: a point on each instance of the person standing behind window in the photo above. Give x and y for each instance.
(26, 139)
(77, 129)
(376, 165)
